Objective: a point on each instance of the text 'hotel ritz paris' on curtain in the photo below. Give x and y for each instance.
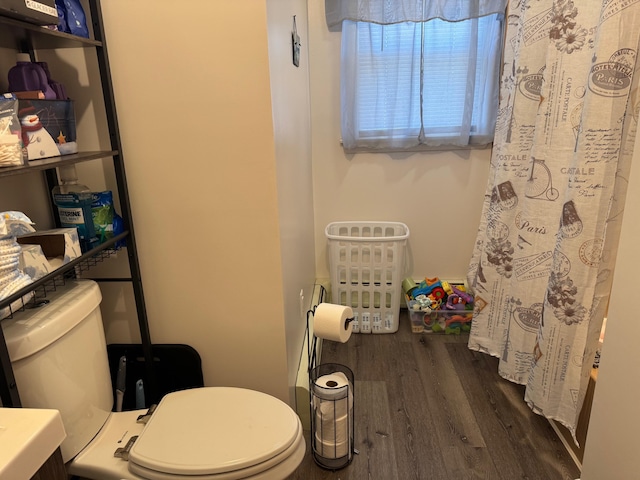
(546, 246)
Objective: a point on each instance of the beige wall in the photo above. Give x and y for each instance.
(612, 447)
(292, 137)
(438, 194)
(205, 151)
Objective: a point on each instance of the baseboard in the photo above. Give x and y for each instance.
(569, 445)
(582, 427)
(320, 294)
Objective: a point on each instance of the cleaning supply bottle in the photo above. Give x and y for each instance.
(74, 206)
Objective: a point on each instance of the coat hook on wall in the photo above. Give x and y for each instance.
(295, 43)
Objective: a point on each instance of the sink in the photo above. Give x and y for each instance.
(28, 437)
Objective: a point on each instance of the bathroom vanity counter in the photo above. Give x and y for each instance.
(29, 439)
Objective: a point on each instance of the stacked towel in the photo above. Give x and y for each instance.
(12, 278)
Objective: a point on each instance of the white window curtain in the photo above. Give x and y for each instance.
(411, 79)
(387, 12)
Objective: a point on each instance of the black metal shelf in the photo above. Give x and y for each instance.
(25, 37)
(16, 34)
(53, 162)
(71, 269)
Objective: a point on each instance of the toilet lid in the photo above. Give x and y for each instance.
(214, 430)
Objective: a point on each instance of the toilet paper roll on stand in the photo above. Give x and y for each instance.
(332, 429)
(333, 395)
(333, 436)
(332, 386)
(332, 450)
(333, 322)
(332, 404)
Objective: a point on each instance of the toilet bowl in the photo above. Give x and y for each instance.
(58, 354)
(214, 434)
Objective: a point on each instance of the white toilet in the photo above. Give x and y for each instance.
(59, 357)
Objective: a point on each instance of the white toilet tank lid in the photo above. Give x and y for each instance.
(33, 329)
(213, 430)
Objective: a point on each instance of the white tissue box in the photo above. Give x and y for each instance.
(44, 251)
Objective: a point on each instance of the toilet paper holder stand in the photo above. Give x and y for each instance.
(312, 340)
(336, 456)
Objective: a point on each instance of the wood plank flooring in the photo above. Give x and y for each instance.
(428, 408)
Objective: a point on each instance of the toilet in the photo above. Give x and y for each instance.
(59, 357)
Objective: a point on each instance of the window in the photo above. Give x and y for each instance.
(412, 85)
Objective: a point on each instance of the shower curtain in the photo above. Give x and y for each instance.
(542, 264)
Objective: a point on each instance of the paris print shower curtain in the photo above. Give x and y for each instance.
(546, 246)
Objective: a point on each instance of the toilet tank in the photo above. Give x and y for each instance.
(59, 357)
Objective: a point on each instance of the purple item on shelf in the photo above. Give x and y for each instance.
(26, 76)
(57, 87)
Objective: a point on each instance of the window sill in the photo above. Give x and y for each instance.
(416, 149)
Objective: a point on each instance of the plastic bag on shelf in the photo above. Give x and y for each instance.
(76, 20)
(10, 132)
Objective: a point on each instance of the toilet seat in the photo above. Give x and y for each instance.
(285, 464)
(245, 432)
(262, 439)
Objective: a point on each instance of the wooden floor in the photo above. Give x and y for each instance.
(428, 408)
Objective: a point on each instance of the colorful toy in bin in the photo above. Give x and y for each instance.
(438, 306)
(462, 293)
(427, 286)
(455, 302)
(424, 303)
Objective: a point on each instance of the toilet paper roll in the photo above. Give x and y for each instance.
(332, 386)
(333, 408)
(333, 322)
(332, 402)
(333, 396)
(328, 429)
(329, 449)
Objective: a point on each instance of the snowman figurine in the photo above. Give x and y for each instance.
(35, 138)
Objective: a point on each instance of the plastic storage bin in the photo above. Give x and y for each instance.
(452, 313)
(367, 265)
(439, 321)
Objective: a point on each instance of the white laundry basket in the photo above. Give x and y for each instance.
(367, 265)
